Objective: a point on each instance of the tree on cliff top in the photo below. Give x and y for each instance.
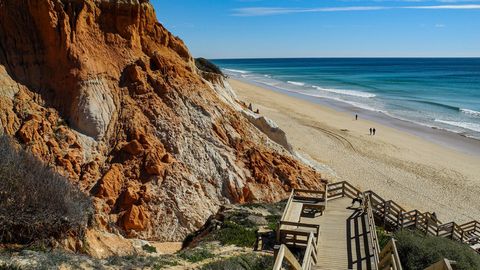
(35, 202)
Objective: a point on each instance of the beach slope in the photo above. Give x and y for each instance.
(397, 165)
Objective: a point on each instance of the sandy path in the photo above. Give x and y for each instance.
(410, 170)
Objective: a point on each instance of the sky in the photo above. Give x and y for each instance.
(324, 28)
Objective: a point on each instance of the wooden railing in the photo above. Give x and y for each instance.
(297, 234)
(310, 256)
(372, 229)
(389, 258)
(285, 256)
(287, 206)
(292, 232)
(393, 216)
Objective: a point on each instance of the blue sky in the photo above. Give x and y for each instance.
(324, 28)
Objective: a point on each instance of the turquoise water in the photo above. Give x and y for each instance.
(437, 92)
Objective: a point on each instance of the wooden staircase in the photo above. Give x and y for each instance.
(343, 239)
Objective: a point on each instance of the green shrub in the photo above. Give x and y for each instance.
(196, 254)
(242, 262)
(232, 233)
(149, 249)
(418, 251)
(35, 202)
(207, 66)
(273, 221)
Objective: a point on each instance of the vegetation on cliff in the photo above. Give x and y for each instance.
(207, 66)
(35, 202)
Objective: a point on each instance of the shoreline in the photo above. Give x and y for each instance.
(397, 164)
(446, 138)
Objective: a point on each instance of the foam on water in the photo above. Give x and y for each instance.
(346, 92)
(466, 125)
(353, 103)
(296, 83)
(470, 112)
(237, 71)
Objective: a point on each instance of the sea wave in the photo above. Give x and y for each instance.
(296, 83)
(470, 112)
(237, 70)
(346, 92)
(436, 104)
(353, 103)
(465, 125)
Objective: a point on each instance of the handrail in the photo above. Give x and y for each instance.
(299, 231)
(372, 228)
(285, 254)
(389, 258)
(287, 206)
(310, 257)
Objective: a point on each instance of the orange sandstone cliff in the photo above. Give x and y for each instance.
(102, 92)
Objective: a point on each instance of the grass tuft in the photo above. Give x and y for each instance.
(232, 233)
(149, 248)
(196, 254)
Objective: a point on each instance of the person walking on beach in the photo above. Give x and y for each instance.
(370, 131)
(356, 116)
(373, 131)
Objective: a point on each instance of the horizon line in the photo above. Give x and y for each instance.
(340, 57)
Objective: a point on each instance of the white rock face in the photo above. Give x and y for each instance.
(8, 87)
(93, 108)
(264, 124)
(269, 128)
(222, 88)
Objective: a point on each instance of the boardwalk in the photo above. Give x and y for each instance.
(343, 241)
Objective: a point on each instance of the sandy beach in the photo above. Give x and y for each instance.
(413, 171)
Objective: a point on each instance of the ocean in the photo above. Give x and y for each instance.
(441, 93)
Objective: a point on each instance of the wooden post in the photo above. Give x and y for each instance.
(427, 224)
(386, 207)
(416, 219)
(276, 248)
(278, 232)
(399, 220)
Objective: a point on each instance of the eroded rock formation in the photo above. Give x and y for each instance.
(105, 94)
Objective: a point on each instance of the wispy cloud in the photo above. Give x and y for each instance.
(445, 7)
(420, 1)
(440, 25)
(265, 11)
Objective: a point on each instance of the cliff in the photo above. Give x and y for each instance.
(107, 96)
